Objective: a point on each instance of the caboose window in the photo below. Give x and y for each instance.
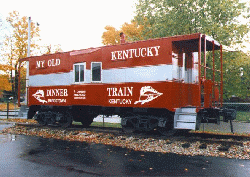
(96, 71)
(79, 70)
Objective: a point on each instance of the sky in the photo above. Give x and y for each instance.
(74, 24)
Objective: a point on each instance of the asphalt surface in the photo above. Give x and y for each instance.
(35, 156)
(238, 127)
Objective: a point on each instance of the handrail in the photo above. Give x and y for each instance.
(214, 98)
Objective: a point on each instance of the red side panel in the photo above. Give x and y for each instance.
(143, 53)
(155, 95)
(55, 63)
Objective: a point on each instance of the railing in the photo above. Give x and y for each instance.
(9, 114)
(245, 107)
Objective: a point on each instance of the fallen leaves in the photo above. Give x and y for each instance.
(138, 144)
(27, 121)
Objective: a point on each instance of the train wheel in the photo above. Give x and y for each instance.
(68, 119)
(129, 127)
(128, 130)
(87, 121)
(41, 119)
(167, 130)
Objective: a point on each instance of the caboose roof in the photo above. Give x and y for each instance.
(190, 40)
(193, 40)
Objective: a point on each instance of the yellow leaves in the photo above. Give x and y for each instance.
(110, 36)
(5, 67)
(15, 46)
(4, 83)
(132, 31)
(18, 42)
(4, 78)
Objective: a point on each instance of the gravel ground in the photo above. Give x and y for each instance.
(163, 145)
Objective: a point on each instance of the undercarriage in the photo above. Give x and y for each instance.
(132, 119)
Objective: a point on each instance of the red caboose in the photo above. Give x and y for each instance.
(167, 83)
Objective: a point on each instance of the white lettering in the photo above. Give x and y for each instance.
(57, 92)
(130, 90)
(145, 53)
(121, 91)
(131, 53)
(120, 101)
(149, 53)
(54, 62)
(125, 54)
(58, 62)
(57, 100)
(40, 64)
(51, 62)
(114, 92)
(65, 92)
(113, 56)
(138, 53)
(157, 50)
(79, 94)
(135, 53)
(109, 90)
(119, 57)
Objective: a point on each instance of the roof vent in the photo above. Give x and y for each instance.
(122, 38)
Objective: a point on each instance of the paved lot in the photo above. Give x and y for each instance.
(238, 127)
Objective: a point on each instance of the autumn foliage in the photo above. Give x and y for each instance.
(15, 48)
(4, 79)
(132, 31)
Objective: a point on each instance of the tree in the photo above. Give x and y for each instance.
(236, 75)
(4, 77)
(219, 19)
(15, 46)
(110, 36)
(132, 31)
(52, 49)
(4, 80)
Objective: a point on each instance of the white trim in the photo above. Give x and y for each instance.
(51, 79)
(84, 72)
(138, 74)
(157, 73)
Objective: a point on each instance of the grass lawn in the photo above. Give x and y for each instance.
(106, 124)
(243, 116)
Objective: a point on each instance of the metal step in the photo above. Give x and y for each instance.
(185, 118)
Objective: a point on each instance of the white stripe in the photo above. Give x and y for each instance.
(122, 75)
(51, 79)
(138, 74)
